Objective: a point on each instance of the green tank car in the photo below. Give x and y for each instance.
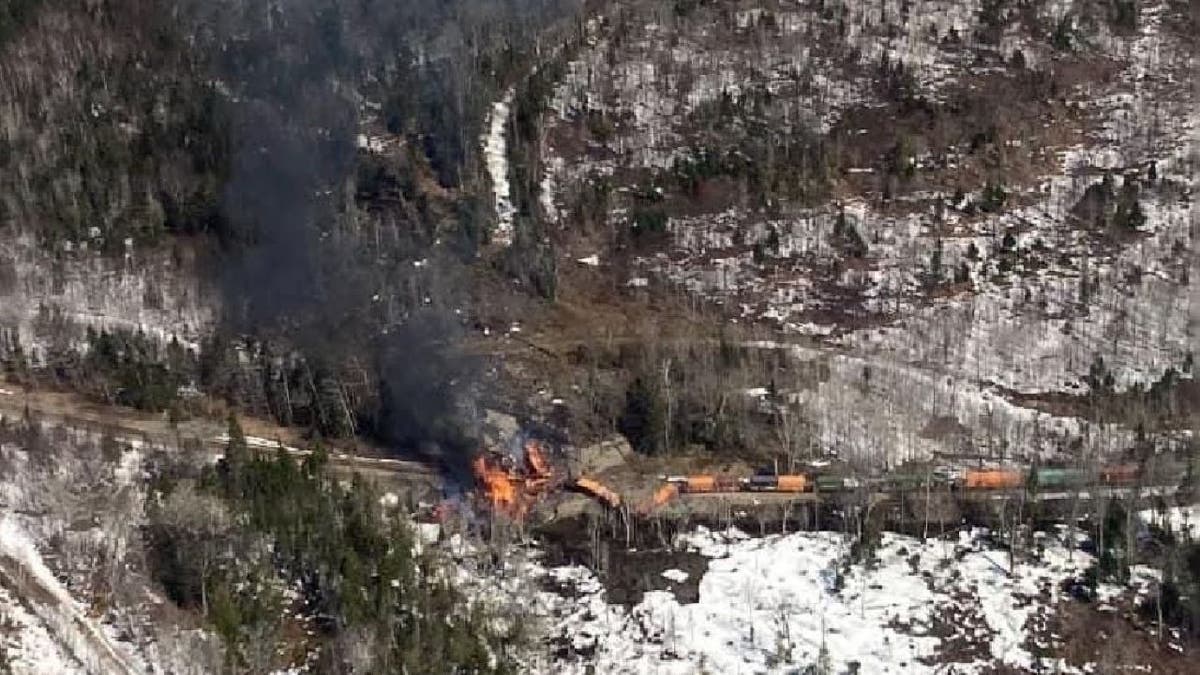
(907, 481)
(1059, 478)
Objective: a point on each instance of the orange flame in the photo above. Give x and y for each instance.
(497, 485)
(512, 489)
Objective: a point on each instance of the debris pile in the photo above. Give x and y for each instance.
(513, 485)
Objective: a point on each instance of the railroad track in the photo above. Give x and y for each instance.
(979, 495)
(58, 409)
(340, 459)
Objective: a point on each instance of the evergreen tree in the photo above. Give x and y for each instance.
(237, 455)
(644, 416)
(935, 264)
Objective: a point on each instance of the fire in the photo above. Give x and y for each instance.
(538, 466)
(497, 485)
(511, 489)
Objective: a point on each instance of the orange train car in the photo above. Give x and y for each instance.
(792, 483)
(665, 493)
(993, 479)
(710, 483)
(600, 492)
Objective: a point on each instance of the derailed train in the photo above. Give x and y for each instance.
(1041, 478)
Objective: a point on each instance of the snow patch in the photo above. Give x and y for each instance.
(678, 576)
(22, 567)
(495, 152)
(1182, 520)
(790, 601)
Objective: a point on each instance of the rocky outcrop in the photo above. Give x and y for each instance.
(48, 301)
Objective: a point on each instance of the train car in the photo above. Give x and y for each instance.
(728, 484)
(829, 483)
(907, 482)
(762, 483)
(949, 475)
(599, 492)
(792, 483)
(662, 495)
(993, 479)
(1119, 474)
(665, 493)
(700, 483)
(777, 483)
(1059, 478)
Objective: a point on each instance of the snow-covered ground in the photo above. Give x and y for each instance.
(495, 153)
(786, 602)
(1181, 520)
(865, 410)
(1025, 328)
(69, 515)
(1027, 319)
(29, 644)
(76, 644)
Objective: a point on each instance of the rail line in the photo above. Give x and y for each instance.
(54, 409)
(1034, 484)
(998, 495)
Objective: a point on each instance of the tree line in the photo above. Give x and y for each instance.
(256, 539)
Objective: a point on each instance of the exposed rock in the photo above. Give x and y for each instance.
(602, 456)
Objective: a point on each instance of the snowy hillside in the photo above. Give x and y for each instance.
(53, 635)
(72, 576)
(784, 603)
(950, 248)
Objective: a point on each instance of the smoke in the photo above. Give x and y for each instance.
(426, 399)
(277, 202)
(297, 266)
(292, 131)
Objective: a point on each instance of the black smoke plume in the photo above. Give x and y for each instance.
(297, 266)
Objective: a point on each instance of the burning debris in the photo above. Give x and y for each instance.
(539, 467)
(498, 483)
(599, 491)
(514, 482)
(510, 485)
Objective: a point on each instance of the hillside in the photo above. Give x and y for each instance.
(619, 336)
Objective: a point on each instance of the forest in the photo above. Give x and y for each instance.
(229, 132)
(256, 539)
(241, 143)
(277, 279)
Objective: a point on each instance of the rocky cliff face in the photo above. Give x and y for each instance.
(109, 147)
(48, 301)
